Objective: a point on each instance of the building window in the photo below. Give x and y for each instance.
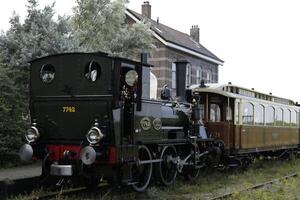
(259, 114)
(247, 113)
(279, 117)
(173, 76)
(215, 113)
(286, 117)
(198, 75)
(206, 76)
(188, 74)
(270, 116)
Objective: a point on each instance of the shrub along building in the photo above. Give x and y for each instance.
(172, 45)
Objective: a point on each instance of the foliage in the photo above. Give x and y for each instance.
(38, 36)
(99, 25)
(12, 113)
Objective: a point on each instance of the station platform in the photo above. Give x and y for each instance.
(21, 172)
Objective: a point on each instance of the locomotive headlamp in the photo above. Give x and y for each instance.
(32, 134)
(131, 77)
(94, 135)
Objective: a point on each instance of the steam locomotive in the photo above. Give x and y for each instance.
(93, 117)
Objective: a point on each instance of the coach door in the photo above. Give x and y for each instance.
(219, 117)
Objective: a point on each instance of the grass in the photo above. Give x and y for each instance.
(211, 184)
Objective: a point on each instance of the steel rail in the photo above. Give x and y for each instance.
(71, 191)
(254, 187)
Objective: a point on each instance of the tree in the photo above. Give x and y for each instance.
(99, 25)
(39, 35)
(12, 116)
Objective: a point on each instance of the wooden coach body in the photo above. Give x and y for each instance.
(248, 121)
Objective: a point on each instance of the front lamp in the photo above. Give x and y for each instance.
(32, 134)
(94, 135)
(131, 77)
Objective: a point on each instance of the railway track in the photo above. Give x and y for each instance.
(27, 185)
(10, 188)
(102, 188)
(254, 187)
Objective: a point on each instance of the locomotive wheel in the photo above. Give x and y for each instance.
(189, 171)
(142, 172)
(167, 168)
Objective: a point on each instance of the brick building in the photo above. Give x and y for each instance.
(172, 45)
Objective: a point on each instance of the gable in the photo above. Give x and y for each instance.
(176, 39)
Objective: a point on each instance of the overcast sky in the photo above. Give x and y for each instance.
(259, 40)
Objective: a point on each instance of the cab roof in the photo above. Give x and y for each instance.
(101, 54)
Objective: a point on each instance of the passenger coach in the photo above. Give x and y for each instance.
(248, 121)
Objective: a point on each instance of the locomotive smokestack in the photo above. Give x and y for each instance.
(181, 66)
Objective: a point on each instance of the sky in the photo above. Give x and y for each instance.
(259, 40)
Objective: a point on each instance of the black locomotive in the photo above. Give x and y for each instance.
(92, 117)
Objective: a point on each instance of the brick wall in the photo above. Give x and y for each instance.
(163, 57)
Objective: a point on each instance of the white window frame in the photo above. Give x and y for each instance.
(173, 76)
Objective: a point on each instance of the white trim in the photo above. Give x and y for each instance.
(131, 16)
(175, 46)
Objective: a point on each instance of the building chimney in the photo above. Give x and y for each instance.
(195, 33)
(146, 9)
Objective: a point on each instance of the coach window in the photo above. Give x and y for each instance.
(286, 117)
(259, 114)
(247, 113)
(215, 113)
(237, 112)
(298, 119)
(279, 117)
(270, 116)
(293, 118)
(228, 113)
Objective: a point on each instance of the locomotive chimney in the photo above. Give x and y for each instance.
(146, 9)
(195, 33)
(181, 66)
